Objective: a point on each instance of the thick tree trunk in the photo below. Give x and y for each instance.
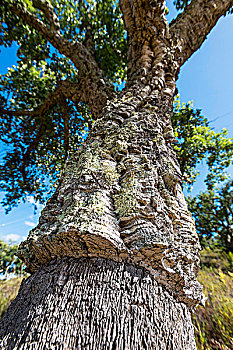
(88, 304)
(120, 201)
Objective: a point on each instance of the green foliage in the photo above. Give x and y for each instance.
(31, 45)
(198, 142)
(36, 145)
(98, 22)
(9, 262)
(213, 213)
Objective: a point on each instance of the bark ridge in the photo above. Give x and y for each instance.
(88, 304)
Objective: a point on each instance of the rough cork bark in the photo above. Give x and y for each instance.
(120, 199)
(115, 255)
(88, 304)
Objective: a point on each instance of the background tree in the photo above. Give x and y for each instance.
(197, 142)
(116, 241)
(213, 211)
(9, 262)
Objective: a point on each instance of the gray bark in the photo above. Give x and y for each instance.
(95, 304)
(120, 199)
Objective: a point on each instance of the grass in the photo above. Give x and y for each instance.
(214, 322)
(8, 291)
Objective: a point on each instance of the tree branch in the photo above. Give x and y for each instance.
(139, 14)
(30, 148)
(49, 12)
(190, 29)
(66, 127)
(64, 88)
(90, 75)
(147, 31)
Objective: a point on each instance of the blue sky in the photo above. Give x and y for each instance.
(206, 79)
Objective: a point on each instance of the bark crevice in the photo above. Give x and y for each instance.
(88, 304)
(121, 198)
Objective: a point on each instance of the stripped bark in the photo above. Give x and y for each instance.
(91, 304)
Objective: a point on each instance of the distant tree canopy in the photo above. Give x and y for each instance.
(9, 262)
(213, 213)
(196, 142)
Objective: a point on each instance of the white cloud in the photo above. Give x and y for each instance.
(11, 237)
(31, 200)
(30, 223)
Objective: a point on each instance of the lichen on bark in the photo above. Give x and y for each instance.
(121, 196)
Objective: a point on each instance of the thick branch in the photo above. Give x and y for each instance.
(51, 34)
(65, 88)
(190, 29)
(139, 14)
(49, 12)
(31, 147)
(148, 37)
(91, 77)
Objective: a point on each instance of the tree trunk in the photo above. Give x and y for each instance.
(96, 304)
(120, 216)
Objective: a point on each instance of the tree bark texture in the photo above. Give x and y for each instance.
(88, 304)
(120, 198)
